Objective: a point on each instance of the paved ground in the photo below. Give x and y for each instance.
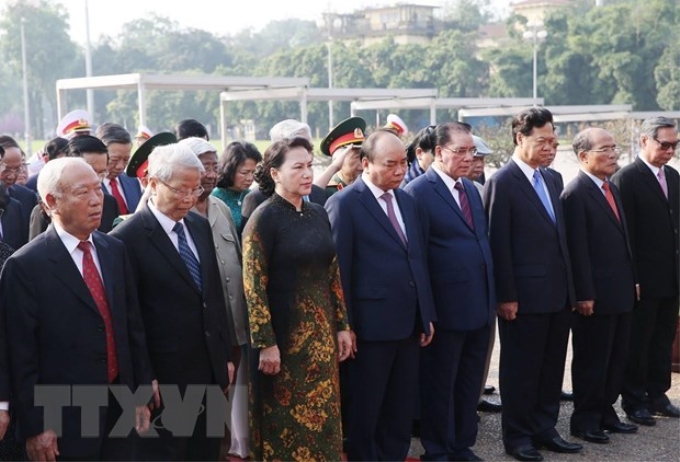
(659, 443)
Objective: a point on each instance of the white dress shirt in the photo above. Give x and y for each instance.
(71, 243)
(377, 192)
(167, 224)
(450, 183)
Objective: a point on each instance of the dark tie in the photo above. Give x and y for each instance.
(188, 256)
(610, 199)
(540, 190)
(464, 204)
(115, 192)
(393, 217)
(94, 283)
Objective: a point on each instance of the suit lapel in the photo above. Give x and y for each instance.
(65, 268)
(160, 239)
(527, 188)
(369, 201)
(599, 198)
(443, 191)
(106, 262)
(650, 180)
(201, 242)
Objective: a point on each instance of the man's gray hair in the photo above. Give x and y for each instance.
(651, 126)
(110, 132)
(582, 141)
(49, 180)
(290, 128)
(164, 160)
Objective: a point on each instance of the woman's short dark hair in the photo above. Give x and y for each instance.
(274, 157)
(424, 140)
(191, 127)
(233, 156)
(55, 147)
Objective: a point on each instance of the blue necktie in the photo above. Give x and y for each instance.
(540, 190)
(188, 256)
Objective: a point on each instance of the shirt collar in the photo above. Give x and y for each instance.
(598, 182)
(70, 241)
(166, 222)
(377, 192)
(448, 181)
(655, 170)
(524, 167)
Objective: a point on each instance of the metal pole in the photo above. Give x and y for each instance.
(535, 66)
(330, 78)
(27, 114)
(88, 63)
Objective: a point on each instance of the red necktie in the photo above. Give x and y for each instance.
(464, 204)
(610, 199)
(115, 192)
(94, 283)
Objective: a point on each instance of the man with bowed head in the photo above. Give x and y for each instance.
(386, 287)
(534, 289)
(180, 296)
(69, 306)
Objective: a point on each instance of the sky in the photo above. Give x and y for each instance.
(220, 17)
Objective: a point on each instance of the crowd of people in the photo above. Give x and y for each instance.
(333, 310)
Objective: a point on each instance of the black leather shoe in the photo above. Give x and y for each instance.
(558, 444)
(620, 427)
(566, 396)
(642, 417)
(525, 453)
(489, 389)
(486, 406)
(466, 456)
(668, 410)
(595, 436)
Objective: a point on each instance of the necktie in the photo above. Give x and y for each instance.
(464, 204)
(188, 256)
(538, 187)
(115, 192)
(610, 199)
(393, 217)
(662, 181)
(96, 287)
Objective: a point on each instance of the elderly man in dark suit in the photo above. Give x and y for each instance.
(382, 257)
(180, 297)
(650, 193)
(461, 272)
(604, 280)
(69, 307)
(534, 288)
(11, 163)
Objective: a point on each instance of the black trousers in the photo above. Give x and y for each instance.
(648, 370)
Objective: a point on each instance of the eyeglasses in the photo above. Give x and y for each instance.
(471, 151)
(615, 150)
(666, 145)
(212, 168)
(17, 170)
(184, 193)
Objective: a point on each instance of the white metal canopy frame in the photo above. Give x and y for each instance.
(434, 103)
(171, 82)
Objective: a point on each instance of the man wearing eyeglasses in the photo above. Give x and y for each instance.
(11, 165)
(650, 193)
(534, 288)
(173, 259)
(604, 281)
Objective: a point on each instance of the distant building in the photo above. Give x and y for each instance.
(537, 10)
(405, 23)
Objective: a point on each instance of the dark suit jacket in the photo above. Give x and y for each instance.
(459, 257)
(529, 251)
(14, 230)
(56, 334)
(186, 328)
(32, 182)
(598, 246)
(653, 223)
(385, 284)
(132, 191)
(28, 199)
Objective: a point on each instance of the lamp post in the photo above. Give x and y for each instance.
(27, 114)
(536, 34)
(330, 25)
(88, 62)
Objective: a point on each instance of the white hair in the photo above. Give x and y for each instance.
(197, 145)
(49, 180)
(290, 128)
(164, 160)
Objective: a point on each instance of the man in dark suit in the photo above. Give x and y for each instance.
(650, 193)
(382, 255)
(461, 273)
(12, 230)
(534, 289)
(180, 297)
(604, 281)
(12, 160)
(126, 190)
(75, 321)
